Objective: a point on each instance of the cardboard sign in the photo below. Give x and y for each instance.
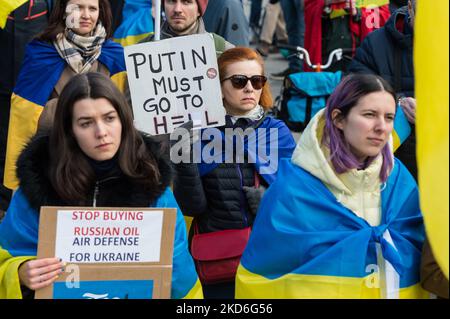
(110, 252)
(174, 81)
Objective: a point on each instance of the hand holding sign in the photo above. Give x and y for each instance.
(174, 81)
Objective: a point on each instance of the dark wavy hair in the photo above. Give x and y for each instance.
(71, 174)
(57, 24)
(346, 95)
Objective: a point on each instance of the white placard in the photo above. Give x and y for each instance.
(173, 81)
(113, 236)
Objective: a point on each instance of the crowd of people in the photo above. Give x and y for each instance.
(336, 216)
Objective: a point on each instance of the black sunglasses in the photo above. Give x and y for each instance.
(240, 81)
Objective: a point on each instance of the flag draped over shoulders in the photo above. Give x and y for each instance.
(137, 22)
(41, 70)
(305, 244)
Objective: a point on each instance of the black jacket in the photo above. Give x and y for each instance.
(376, 55)
(113, 190)
(217, 199)
(382, 53)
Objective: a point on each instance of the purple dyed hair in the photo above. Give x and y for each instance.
(346, 95)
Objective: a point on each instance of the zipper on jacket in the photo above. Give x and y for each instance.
(243, 210)
(94, 200)
(97, 187)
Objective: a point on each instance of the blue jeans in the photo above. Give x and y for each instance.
(294, 13)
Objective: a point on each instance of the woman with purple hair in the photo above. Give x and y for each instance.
(342, 220)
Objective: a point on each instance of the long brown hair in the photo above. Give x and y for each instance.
(57, 24)
(71, 174)
(239, 54)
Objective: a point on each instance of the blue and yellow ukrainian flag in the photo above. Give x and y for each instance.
(137, 22)
(6, 8)
(402, 129)
(305, 244)
(19, 241)
(41, 70)
(431, 52)
(370, 3)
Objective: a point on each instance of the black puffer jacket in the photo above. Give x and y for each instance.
(113, 190)
(376, 55)
(217, 199)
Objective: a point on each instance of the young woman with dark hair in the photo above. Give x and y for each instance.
(70, 170)
(76, 41)
(342, 220)
(93, 157)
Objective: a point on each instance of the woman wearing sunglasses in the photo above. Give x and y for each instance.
(221, 195)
